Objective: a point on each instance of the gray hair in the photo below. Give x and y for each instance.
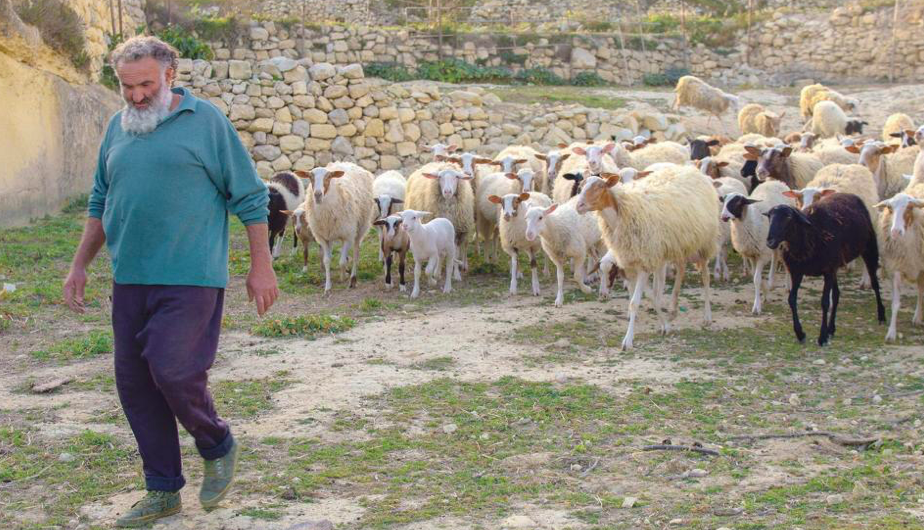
(139, 47)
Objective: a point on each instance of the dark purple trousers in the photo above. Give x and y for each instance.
(166, 337)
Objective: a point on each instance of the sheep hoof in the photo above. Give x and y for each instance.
(352, 282)
(626, 344)
(389, 285)
(305, 269)
(536, 292)
(415, 294)
(558, 302)
(402, 288)
(891, 336)
(447, 290)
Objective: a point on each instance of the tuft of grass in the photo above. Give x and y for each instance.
(98, 342)
(248, 398)
(438, 364)
(60, 26)
(551, 95)
(310, 326)
(261, 514)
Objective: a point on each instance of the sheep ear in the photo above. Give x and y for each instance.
(565, 156)
(431, 176)
(751, 156)
(524, 196)
(519, 161)
(853, 149)
(397, 201)
(753, 150)
(562, 145)
(551, 209)
(452, 147)
(826, 192)
(442, 158)
(302, 174)
(512, 176)
(612, 181)
(542, 157)
(787, 151)
(750, 201)
(882, 205)
(380, 222)
(722, 164)
(792, 194)
(890, 149)
(495, 199)
(609, 147)
(287, 213)
(482, 160)
(606, 175)
(335, 174)
(642, 174)
(579, 151)
(716, 184)
(712, 143)
(896, 135)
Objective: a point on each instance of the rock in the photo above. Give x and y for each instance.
(314, 116)
(836, 498)
(395, 133)
(49, 386)
(654, 122)
(450, 428)
(284, 64)
(794, 400)
(675, 522)
(352, 71)
(335, 91)
(259, 33)
(291, 143)
(266, 152)
(581, 58)
(323, 130)
(322, 71)
(322, 524)
(341, 146)
(406, 148)
(818, 362)
(66, 457)
(239, 70)
(261, 125)
(338, 117)
(629, 502)
(877, 399)
(390, 162)
(375, 128)
(466, 96)
(697, 473)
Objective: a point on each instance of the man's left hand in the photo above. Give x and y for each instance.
(261, 286)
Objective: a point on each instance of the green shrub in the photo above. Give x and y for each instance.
(538, 76)
(668, 78)
(389, 71)
(189, 46)
(305, 326)
(60, 27)
(587, 79)
(107, 77)
(226, 29)
(458, 71)
(513, 58)
(662, 23)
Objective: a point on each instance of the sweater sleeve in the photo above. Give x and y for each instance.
(97, 203)
(246, 193)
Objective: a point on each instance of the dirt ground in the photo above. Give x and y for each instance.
(481, 410)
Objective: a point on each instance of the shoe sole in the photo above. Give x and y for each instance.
(147, 519)
(213, 503)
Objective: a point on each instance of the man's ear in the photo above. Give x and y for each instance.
(169, 75)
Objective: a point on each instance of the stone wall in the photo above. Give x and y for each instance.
(98, 23)
(342, 11)
(297, 115)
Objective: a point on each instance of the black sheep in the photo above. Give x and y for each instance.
(817, 242)
(699, 149)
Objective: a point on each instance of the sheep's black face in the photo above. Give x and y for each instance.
(576, 181)
(734, 206)
(749, 169)
(783, 220)
(855, 126)
(698, 150)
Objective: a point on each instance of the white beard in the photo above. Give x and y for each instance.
(142, 121)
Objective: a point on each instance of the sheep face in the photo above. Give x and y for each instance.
(390, 226)
(441, 151)
(734, 206)
(527, 178)
(901, 207)
(871, 153)
(855, 126)
(553, 162)
(710, 167)
(320, 182)
(699, 149)
(596, 196)
(535, 220)
(385, 203)
(412, 220)
(771, 161)
(510, 204)
(784, 220)
(448, 180)
(508, 163)
(467, 162)
(919, 135)
(594, 154)
(807, 196)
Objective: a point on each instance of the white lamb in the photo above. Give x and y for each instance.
(754, 118)
(749, 229)
(829, 121)
(811, 95)
(430, 242)
(388, 190)
(512, 228)
(496, 184)
(441, 151)
(552, 166)
(564, 235)
(725, 186)
(902, 223)
(666, 218)
(440, 188)
(341, 210)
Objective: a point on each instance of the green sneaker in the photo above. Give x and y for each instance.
(154, 505)
(219, 474)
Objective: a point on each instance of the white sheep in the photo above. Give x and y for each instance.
(811, 95)
(754, 118)
(666, 218)
(441, 151)
(897, 126)
(828, 120)
(430, 242)
(902, 223)
(440, 188)
(341, 210)
(512, 229)
(749, 229)
(568, 184)
(593, 158)
(653, 153)
(496, 184)
(724, 186)
(694, 92)
(394, 240)
(527, 158)
(565, 234)
(388, 190)
(552, 160)
(888, 163)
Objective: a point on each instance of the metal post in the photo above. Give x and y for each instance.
(894, 39)
(121, 29)
(683, 28)
(622, 46)
(439, 23)
(112, 17)
(747, 53)
(638, 16)
(304, 10)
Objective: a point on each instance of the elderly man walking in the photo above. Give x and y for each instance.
(171, 167)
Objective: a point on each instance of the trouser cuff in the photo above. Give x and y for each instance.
(164, 483)
(220, 450)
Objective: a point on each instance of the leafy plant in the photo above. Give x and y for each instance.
(189, 46)
(60, 27)
(305, 326)
(107, 76)
(513, 58)
(538, 76)
(389, 71)
(587, 79)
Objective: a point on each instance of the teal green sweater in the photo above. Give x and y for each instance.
(164, 197)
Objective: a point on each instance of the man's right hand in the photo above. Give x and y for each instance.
(74, 288)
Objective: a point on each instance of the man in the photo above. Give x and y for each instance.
(171, 167)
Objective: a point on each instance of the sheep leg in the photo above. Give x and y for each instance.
(381, 243)
(770, 274)
(759, 285)
(680, 272)
(305, 257)
(920, 305)
(871, 260)
(545, 266)
(356, 248)
(560, 272)
(865, 281)
(579, 276)
(513, 273)
(534, 270)
(793, 306)
(462, 250)
(707, 292)
(388, 259)
(659, 279)
(825, 306)
(416, 291)
(604, 286)
(277, 246)
(344, 253)
(835, 299)
(892, 334)
(641, 278)
(433, 269)
(325, 257)
(450, 267)
(402, 256)
(717, 269)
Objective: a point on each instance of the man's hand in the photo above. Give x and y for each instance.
(261, 280)
(74, 288)
(261, 286)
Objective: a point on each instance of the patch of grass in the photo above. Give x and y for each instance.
(95, 343)
(438, 364)
(60, 26)
(248, 398)
(261, 514)
(561, 95)
(310, 326)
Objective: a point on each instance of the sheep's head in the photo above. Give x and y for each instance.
(735, 205)
(771, 162)
(508, 164)
(901, 207)
(594, 154)
(527, 178)
(411, 220)
(510, 203)
(448, 181)
(553, 160)
(906, 136)
(384, 203)
(468, 161)
(627, 174)
(577, 180)
(871, 153)
(441, 151)
(390, 226)
(784, 220)
(700, 148)
(711, 167)
(807, 196)
(855, 126)
(919, 136)
(595, 195)
(320, 179)
(535, 220)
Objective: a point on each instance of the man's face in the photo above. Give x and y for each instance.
(141, 81)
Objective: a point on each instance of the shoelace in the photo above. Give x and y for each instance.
(218, 468)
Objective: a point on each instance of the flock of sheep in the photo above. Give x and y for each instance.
(814, 202)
